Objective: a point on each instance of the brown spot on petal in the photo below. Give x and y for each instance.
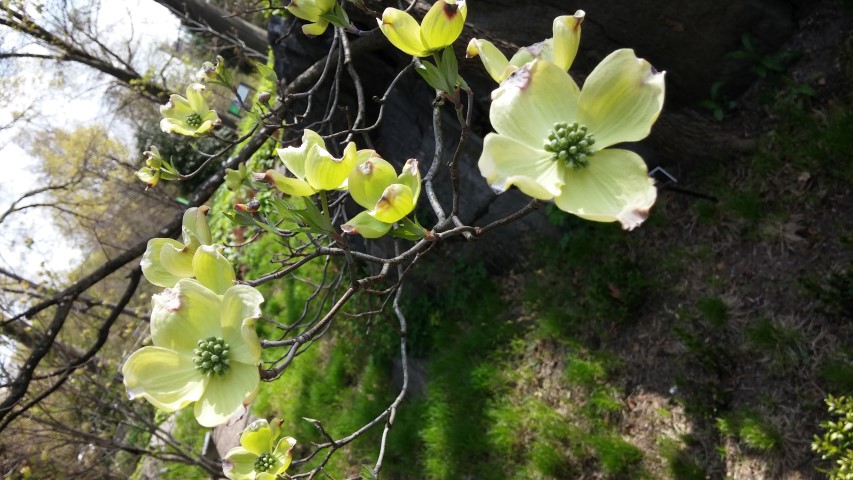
(520, 78)
(450, 10)
(348, 229)
(580, 15)
(366, 168)
(411, 166)
(631, 219)
(536, 49)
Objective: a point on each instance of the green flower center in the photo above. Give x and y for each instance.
(194, 120)
(570, 143)
(211, 356)
(264, 463)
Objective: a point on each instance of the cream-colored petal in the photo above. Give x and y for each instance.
(442, 24)
(324, 172)
(305, 9)
(149, 176)
(366, 226)
(531, 101)
(241, 307)
(621, 99)
(368, 180)
(183, 315)
(315, 29)
(257, 437)
(543, 50)
(196, 99)
(506, 162)
(171, 125)
(494, 61)
(176, 107)
(212, 269)
(227, 397)
(403, 31)
(239, 464)
(614, 187)
(396, 202)
(284, 453)
(194, 225)
(163, 377)
(289, 185)
(177, 260)
(153, 268)
(567, 37)
(410, 176)
(294, 157)
(210, 117)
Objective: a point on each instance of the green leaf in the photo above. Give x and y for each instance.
(240, 218)
(337, 17)
(433, 76)
(409, 230)
(746, 39)
(367, 473)
(449, 67)
(316, 219)
(267, 73)
(740, 55)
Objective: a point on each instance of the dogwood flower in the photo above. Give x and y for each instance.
(166, 260)
(312, 11)
(388, 198)
(210, 70)
(313, 167)
(259, 456)
(552, 137)
(441, 27)
(155, 168)
(561, 49)
(205, 350)
(188, 116)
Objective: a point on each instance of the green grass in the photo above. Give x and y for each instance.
(837, 373)
(714, 311)
(617, 456)
(782, 344)
(750, 429)
(588, 282)
(679, 462)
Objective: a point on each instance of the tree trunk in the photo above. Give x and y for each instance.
(220, 21)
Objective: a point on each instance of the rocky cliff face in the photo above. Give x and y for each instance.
(689, 39)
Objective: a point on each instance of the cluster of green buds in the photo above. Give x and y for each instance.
(211, 356)
(262, 455)
(569, 143)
